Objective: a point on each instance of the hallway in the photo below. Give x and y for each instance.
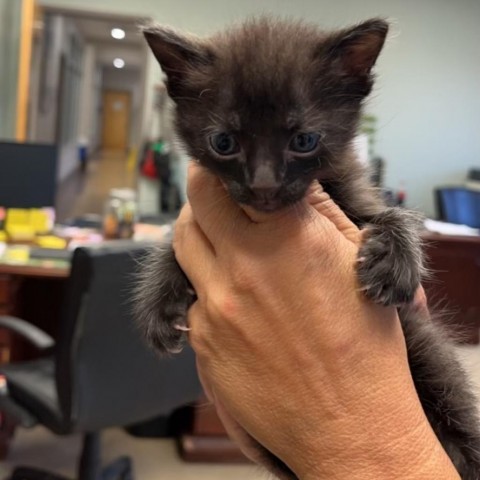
(86, 192)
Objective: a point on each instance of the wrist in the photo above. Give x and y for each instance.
(377, 432)
(415, 453)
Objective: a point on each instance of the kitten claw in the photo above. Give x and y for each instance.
(175, 351)
(182, 328)
(365, 288)
(361, 259)
(191, 291)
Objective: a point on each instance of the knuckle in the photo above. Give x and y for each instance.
(216, 305)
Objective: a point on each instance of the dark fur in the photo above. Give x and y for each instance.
(264, 81)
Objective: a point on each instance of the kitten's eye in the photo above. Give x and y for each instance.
(224, 144)
(304, 142)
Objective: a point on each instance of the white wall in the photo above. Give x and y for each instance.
(95, 119)
(87, 90)
(427, 97)
(45, 128)
(34, 94)
(90, 105)
(10, 16)
(46, 117)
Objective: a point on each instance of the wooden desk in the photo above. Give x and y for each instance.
(454, 286)
(34, 292)
(45, 270)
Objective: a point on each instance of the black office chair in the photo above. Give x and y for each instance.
(100, 373)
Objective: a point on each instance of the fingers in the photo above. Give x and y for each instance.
(212, 207)
(323, 204)
(207, 389)
(248, 446)
(234, 430)
(193, 250)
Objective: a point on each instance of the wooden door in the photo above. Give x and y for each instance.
(116, 117)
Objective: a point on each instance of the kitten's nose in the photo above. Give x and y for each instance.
(264, 185)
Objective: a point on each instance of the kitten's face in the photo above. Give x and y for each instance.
(266, 146)
(270, 106)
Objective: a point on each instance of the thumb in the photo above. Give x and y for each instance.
(323, 204)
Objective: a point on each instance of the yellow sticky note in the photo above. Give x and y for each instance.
(50, 241)
(39, 221)
(17, 254)
(18, 216)
(20, 232)
(3, 236)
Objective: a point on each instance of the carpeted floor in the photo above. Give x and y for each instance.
(154, 459)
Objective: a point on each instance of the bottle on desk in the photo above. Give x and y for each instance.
(120, 214)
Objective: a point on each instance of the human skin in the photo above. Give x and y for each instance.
(289, 349)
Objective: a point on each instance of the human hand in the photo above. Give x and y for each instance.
(289, 349)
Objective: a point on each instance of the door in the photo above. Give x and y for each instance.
(116, 116)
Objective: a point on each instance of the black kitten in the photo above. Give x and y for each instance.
(269, 107)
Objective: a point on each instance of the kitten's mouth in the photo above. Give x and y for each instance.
(267, 200)
(272, 204)
(263, 205)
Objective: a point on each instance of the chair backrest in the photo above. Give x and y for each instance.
(105, 373)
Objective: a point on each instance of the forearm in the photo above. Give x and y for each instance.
(371, 424)
(403, 447)
(434, 465)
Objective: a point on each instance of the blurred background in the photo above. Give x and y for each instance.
(426, 100)
(88, 157)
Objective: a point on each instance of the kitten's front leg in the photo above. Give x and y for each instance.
(162, 298)
(390, 260)
(390, 265)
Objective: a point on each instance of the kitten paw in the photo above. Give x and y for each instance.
(162, 299)
(388, 275)
(167, 333)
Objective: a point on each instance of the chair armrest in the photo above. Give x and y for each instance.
(11, 408)
(29, 332)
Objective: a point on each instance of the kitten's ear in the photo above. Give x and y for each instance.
(354, 51)
(177, 54)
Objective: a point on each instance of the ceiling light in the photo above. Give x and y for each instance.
(118, 33)
(119, 63)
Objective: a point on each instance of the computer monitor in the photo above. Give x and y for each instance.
(27, 175)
